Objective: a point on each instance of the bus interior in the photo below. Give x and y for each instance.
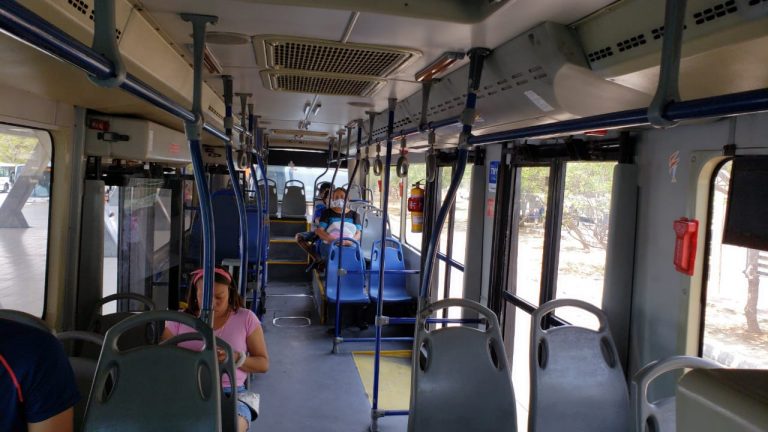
(559, 208)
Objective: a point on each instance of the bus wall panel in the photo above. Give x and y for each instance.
(661, 296)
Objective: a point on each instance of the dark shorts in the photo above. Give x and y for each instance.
(308, 236)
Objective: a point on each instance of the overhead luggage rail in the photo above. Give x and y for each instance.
(28, 27)
(577, 368)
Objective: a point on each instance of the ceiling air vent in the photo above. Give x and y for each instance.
(717, 11)
(321, 83)
(317, 55)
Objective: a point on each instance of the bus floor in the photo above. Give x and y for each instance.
(308, 388)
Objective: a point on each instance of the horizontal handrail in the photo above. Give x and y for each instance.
(451, 262)
(28, 27)
(530, 308)
(25, 25)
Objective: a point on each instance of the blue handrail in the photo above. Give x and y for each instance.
(30, 28)
(239, 198)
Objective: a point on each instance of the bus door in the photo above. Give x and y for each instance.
(555, 207)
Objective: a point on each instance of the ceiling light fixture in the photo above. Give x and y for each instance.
(307, 107)
(316, 109)
(439, 66)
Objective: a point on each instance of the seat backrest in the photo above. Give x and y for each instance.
(272, 194)
(460, 376)
(24, 318)
(155, 386)
(294, 200)
(354, 192)
(576, 373)
(147, 335)
(659, 416)
(732, 400)
(394, 283)
(351, 285)
(83, 367)
(371, 222)
(227, 367)
(226, 224)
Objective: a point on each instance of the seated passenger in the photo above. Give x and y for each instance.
(38, 390)
(306, 240)
(236, 325)
(329, 228)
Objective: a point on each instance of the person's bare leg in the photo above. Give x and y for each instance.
(242, 424)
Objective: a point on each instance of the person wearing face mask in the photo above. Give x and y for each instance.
(329, 226)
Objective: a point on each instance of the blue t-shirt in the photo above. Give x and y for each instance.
(36, 380)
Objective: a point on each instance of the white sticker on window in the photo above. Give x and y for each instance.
(538, 101)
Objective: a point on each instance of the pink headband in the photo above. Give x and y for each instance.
(198, 274)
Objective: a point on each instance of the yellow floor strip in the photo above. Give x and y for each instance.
(394, 377)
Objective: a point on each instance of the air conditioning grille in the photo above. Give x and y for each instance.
(317, 83)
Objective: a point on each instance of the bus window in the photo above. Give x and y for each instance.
(453, 239)
(532, 202)
(307, 175)
(735, 317)
(25, 156)
(395, 203)
(584, 237)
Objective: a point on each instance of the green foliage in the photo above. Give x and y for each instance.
(16, 149)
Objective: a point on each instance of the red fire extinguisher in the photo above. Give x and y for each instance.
(416, 208)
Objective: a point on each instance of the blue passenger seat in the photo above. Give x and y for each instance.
(226, 224)
(394, 283)
(351, 286)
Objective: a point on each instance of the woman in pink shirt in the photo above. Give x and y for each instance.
(236, 325)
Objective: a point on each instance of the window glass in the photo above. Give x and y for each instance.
(584, 237)
(735, 318)
(532, 202)
(461, 217)
(417, 172)
(25, 194)
(396, 190)
(282, 173)
(374, 183)
(137, 240)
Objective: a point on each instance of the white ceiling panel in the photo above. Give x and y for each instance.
(432, 38)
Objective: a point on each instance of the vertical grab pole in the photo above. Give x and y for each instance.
(337, 339)
(239, 198)
(193, 131)
(262, 151)
(476, 58)
(338, 158)
(380, 300)
(327, 168)
(667, 90)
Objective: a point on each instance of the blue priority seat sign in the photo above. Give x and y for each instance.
(493, 175)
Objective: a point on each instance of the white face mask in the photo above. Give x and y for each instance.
(337, 203)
